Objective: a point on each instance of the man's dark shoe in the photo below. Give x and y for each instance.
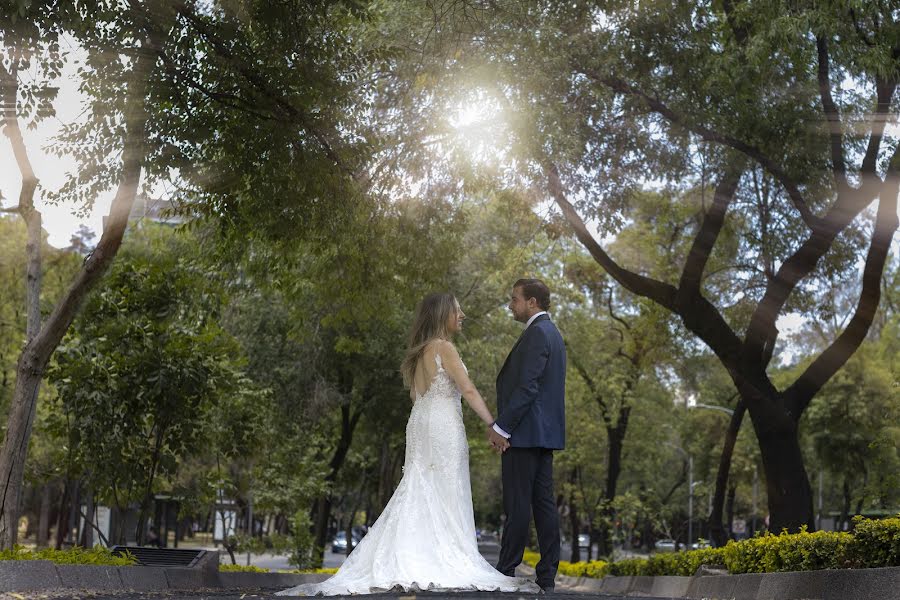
(547, 589)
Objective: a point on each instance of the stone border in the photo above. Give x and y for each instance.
(42, 575)
(841, 584)
(837, 584)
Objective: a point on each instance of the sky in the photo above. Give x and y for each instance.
(59, 221)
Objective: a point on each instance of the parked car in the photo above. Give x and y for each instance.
(665, 545)
(339, 543)
(700, 544)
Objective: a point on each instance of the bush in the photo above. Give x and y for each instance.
(876, 543)
(98, 555)
(242, 569)
(594, 568)
(789, 552)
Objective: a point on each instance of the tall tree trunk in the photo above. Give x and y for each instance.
(717, 531)
(62, 519)
(21, 413)
(322, 506)
(43, 530)
(729, 510)
(790, 498)
(36, 355)
(87, 532)
(574, 522)
(616, 440)
(845, 506)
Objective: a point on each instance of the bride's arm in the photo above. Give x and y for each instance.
(454, 367)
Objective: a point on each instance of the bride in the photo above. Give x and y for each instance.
(425, 538)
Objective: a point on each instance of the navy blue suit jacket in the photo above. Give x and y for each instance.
(531, 388)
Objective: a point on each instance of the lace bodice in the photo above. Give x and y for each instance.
(441, 384)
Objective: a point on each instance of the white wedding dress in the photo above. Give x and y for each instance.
(425, 538)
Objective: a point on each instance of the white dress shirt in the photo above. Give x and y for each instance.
(530, 321)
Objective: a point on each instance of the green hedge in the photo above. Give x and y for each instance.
(789, 552)
(675, 563)
(97, 555)
(595, 568)
(874, 543)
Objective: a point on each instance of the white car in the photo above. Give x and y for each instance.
(665, 545)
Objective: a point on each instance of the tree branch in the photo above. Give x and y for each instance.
(697, 314)
(613, 315)
(705, 239)
(133, 154)
(658, 291)
(262, 85)
(592, 386)
(836, 355)
(761, 332)
(710, 135)
(884, 92)
(832, 115)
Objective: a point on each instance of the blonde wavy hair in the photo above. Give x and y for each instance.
(429, 324)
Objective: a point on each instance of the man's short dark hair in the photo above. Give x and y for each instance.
(537, 289)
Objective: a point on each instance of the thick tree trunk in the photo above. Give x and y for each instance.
(790, 498)
(36, 355)
(717, 532)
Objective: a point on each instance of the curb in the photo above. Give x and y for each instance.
(43, 575)
(834, 584)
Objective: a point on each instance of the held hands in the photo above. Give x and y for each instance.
(498, 443)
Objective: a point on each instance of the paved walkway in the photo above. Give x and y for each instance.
(231, 595)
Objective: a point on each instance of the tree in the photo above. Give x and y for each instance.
(171, 87)
(35, 37)
(142, 371)
(613, 344)
(694, 96)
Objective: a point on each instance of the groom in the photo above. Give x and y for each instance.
(530, 425)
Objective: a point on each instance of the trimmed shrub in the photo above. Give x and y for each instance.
(873, 543)
(242, 569)
(583, 568)
(98, 555)
(789, 552)
(876, 542)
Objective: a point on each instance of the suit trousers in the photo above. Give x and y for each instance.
(527, 475)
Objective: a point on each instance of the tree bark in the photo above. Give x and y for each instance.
(729, 510)
(574, 523)
(33, 361)
(790, 498)
(616, 439)
(717, 532)
(43, 530)
(322, 506)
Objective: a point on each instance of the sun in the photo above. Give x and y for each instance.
(478, 127)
